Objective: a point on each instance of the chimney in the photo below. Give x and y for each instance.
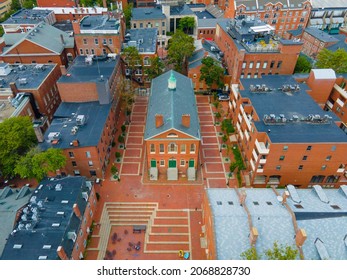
(253, 236)
(76, 26)
(242, 197)
(300, 237)
(186, 120)
(159, 120)
(63, 70)
(61, 253)
(172, 81)
(62, 39)
(14, 88)
(75, 143)
(77, 211)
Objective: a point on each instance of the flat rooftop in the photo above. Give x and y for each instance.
(99, 23)
(147, 13)
(321, 35)
(76, 10)
(28, 16)
(298, 109)
(48, 221)
(10, 203)
(203, 15)
(65, 122)
(144, 39)
(64, 25)
(84, 69)
(25, 76)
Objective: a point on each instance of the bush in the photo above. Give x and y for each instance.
(121, 139)
(218, 115)
(238, 158)
(123, 128)
(114, 169)
(227, 126)
(233, 166)
(224, 138)
(118, 155)
(113, 143)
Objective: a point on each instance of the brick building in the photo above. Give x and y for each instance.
(251, 50)
(56, 222)
(43, 44)
(145, 40)
(25, 20)
(315, 40)
(99, 35)
(5, 6)
(172, 133)
(283, 15)
(57, 3)
(285, 137)
(234, 221)
(37, 81)
(84, 124)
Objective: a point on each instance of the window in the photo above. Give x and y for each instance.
(300, 167)
(250, 65)
(161, 148)
(162, 162)
(71, 154)
(332, 179)
(324, 167)
(182, 162)
(92, 172)
(152, 148)
(244, 64)
(285, 148)
(328, 158)
(308, 148)
(146, 60)
(88, 155)
(279, 63)
(272, 64)
(87, 51)
(163, 23)
(76, 172)
(90, 163)
(219, 203)
(304, 158)
(134, 25)
(256, 203)
(84, 41)
(96, 41)
(92, 51)
(264, 64)
(172, 148)
(269, 203)
(257, 65)
(104, 41)
(183, 148)
(278, 167)
(192, 148)
(317, 179)
(282, 157)
(104, 51)
(74, 163)
(298, 206)
(248, 75)
(81, 51)
(110, 41)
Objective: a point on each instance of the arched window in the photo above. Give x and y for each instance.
(192, 148)
(172, 148)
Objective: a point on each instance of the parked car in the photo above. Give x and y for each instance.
(223, 97)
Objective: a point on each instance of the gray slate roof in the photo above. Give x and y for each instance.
(147, 13)
(321, 35)
(210, 22)
(181, 11)
(341, 44)
(88, 134)
(46, 36)
(148, 37)
(27, 16)
(43, 233)
(97, 22)
(298, 103)
(172, 104)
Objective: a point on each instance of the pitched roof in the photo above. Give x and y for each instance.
(172, 104)
(43, 35)
(147, 13)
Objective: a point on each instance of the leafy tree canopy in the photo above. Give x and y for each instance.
(180, 48)
(155, 68)
(29, 4)
(132, 57)
(17, 136)
(277, 252)
(127, 14)
(37, 164)
(303, 65)
(187, 24)
(211, 72)
(336, 60)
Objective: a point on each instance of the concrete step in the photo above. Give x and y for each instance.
(169, 230)
(170, 221)
(171, 213)
(166, 247)
(168, 238)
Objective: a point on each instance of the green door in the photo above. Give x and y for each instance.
(191, 163)
(172, 163)
(153, 163)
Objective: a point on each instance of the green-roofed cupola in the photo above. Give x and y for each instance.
(172, 81)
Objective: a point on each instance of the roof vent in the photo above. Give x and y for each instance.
(17, 246)
(58, 187)
(172, 81)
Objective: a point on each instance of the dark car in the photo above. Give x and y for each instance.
(223, 97)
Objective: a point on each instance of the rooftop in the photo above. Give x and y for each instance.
(320, 220)
(144, 39)
(64, 25)
(253, 5)
(212, 51)
(27, 16)
(172, 104)
(98, 23)
(43, 35)
(86, 69)
(203, 15)
(210, 22)
(326, 4)
(76, 121)
(321, 35)
(341, 44)
(147, 13)
(76, 10)
(25, 76)
(11, 200)
(288, 114)
(183, 10)
(48, 221)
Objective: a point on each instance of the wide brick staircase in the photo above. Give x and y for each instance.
(168, 230)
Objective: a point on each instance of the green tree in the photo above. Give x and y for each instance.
(156, 67)
(127, 13)
(181, 46)
(29, 4)
(87, 3)
(15, 5)
(250, 254)
(37, 164)
(187, 25)
(17, 136)
(126, 91)
(303, 65)
(281, 252)
(211, 72)
(132, 59)
(336, 60)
